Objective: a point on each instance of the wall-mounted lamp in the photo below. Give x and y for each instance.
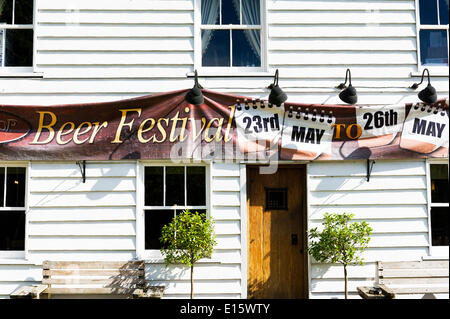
(195, 95)
(369, 167)
(82, 166)
(427, 95)
(277, 96)
(349, 95)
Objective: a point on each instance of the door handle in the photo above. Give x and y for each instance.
(294, 239)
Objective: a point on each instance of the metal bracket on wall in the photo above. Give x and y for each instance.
(82, 166)
(369, 168)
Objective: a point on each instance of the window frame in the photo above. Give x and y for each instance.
(437, 70)
(17, 254)
(434, 251)
(154, 255)
(20, 71)
(212, 70)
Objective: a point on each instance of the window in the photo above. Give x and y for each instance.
(16, 33)
(12, 208)
(439, 212)
(433, 32)
(276, 199)
(231, 34)
(168, 191)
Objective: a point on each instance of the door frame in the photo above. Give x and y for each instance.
(243, 170)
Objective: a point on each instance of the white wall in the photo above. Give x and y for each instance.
(96, 221)
(100, 50)
(90, 51)
(393, 202)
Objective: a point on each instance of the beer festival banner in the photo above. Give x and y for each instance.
(225, 127)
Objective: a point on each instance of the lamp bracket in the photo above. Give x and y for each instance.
(369, 168)
(275, 81)
(82, 166)
(348, 77)
(416, 85)
(196, 80)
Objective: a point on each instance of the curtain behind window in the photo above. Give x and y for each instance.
(210, 15)
(251, 12)
(251, 16)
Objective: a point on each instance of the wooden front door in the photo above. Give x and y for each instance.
(276, 234)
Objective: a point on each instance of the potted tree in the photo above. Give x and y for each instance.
(187, 239)
(340, 241)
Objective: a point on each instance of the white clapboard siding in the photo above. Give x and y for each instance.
(17, 273)
(220, 276)
(72, 220)
(109, 46)
(341, 5)
(393, 202)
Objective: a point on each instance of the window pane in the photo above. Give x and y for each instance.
(15, 187)
(439, 183)
(230, 12)
(251, 12)
(246, 48)
(210, 11)
(439, 226)
(6, 11)
(12, 231)
(196, 186)
(428, 12)
(175, 186)
(215, 48)
(2, 186)
(443, 11)
(433, 47)
(154, 222)
(154, 186)
(24, 12)
(19, 47)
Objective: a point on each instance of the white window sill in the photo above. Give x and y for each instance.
(21, 75)
(212, 73)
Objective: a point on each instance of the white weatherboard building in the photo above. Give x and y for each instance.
(83, 51)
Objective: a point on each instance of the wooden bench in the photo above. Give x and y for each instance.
(408, 278)
(91, 278)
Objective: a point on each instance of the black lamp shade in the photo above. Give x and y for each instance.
(277, 96)
(349, 95)
(428, 95)
(195, 96)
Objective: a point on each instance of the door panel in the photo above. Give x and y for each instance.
(275, 233)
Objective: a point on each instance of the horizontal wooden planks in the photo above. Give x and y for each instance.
(116, 17)
(393, 202)
(323, 17)
(340, 5)
(116, 5)
(75, 214)
(67, 242)
(91, 228)
(114, 31)
(114, 44)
